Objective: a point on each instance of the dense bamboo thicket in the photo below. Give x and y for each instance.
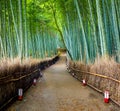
(21, 34)
(87, 28)
(95, 30)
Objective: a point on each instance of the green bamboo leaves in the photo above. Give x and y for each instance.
(86, 28)
(20, 32)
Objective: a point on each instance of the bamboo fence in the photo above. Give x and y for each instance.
(10, 84)
(95, 81)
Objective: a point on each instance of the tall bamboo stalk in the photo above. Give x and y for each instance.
(83, 32)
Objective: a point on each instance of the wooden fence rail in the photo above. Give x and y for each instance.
(99, 75)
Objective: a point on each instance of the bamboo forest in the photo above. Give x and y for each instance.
(86, 29)
(35, 34)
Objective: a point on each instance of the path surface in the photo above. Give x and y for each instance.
(59, 91)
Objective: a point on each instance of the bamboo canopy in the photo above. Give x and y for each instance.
(33, 28)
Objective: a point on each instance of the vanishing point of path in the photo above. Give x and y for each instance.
(59, 91)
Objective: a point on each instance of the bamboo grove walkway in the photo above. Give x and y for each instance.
(59, 91)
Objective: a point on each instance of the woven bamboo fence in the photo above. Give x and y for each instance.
(10, 84)
(99, 82)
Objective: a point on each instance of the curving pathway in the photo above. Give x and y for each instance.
(58, 91)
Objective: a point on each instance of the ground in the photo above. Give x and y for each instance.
(59, 91)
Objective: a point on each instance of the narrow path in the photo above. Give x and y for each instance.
(58, 91)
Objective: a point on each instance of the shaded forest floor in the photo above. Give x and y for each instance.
(58, 91)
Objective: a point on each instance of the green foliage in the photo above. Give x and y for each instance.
(94, 31)
(86, 28)
(25, 30)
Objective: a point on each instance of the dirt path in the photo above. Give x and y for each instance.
(58, 91)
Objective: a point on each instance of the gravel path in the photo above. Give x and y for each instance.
(58, 91)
